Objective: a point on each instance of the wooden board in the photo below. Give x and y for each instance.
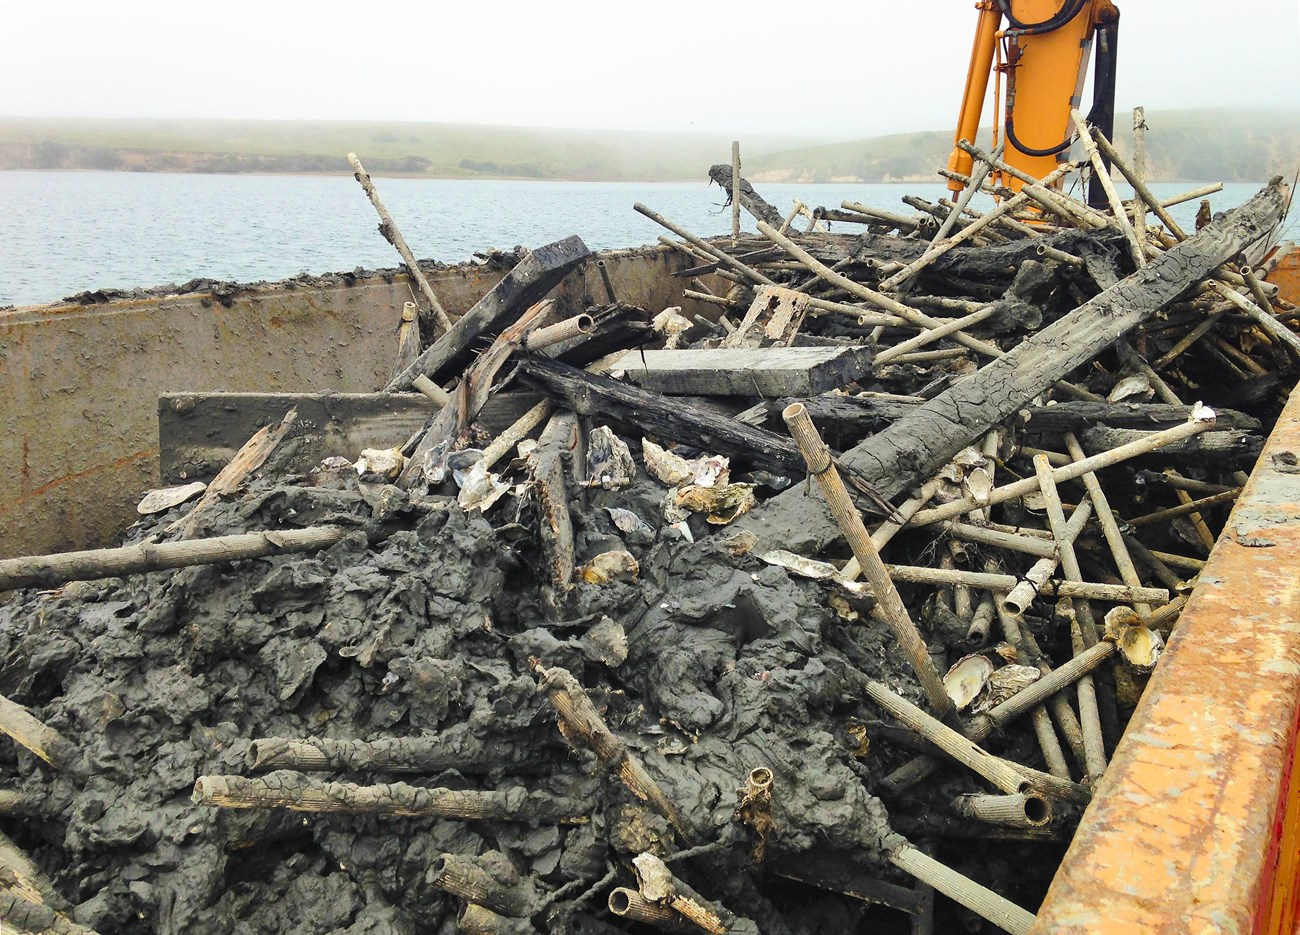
(736, 371)
(198, 433)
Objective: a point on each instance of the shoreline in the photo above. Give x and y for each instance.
(431, 177)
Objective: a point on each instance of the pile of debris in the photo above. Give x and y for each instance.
(623, 675)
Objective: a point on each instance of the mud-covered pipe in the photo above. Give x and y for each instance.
(1012, 811)
(503, 892)
(565, 330)
(300, 793)
(629, 904)
(1048, 252)
(963, 890)
(474, 919)
(60, 568)
(893, 610)
(980, 621)
(610, 295)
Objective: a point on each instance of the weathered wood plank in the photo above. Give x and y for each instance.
(530, 280)
(198, 433)
(736, 371)
(913, 448)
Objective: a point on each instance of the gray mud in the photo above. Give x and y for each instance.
(427, 627)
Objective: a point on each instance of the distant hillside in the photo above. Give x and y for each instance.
(1195, 145)
(435, 150)
(1188, 145)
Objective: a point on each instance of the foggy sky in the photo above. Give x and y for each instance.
(831, 70)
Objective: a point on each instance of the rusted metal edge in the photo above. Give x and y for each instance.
(1196, 825)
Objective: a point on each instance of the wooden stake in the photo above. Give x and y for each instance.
(581, 724)
(893, 610)
(1103, 176)
(394, 236)
(1093, 746)
(735, 190)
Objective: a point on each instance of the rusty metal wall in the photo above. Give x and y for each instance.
(79, 384)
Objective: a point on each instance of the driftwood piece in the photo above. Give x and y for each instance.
(750, 200)
(739, 371)
(199, 432)
(456, 748)
(530, 280)
(47, 743)
(889, 603)
(22, 878)
(580, 723)
(22, 916)
(394, 236)
(913, 448)
(646, 412)
(300, 793)
(546, 463)
(61, 567)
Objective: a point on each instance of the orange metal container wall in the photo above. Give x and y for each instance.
(1196, 825)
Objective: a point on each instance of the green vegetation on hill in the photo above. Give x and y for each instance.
(1220, 144)
(430, 149)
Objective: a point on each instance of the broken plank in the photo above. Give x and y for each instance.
(646, 412)
(913, 448)
(735, 371)
(199, 433)
(531, 279)
(751, 200)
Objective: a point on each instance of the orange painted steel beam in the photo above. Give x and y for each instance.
(1195, 828)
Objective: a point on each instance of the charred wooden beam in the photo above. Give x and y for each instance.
(741, 371)
(643, 411)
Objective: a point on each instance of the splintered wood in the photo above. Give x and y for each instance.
(574, 640)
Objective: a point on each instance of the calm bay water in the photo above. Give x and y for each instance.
(65, 232)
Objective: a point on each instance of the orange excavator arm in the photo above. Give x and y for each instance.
(1045, 46)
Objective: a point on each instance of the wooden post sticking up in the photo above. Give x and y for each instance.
(394, 237)
(735, 191)
(1140, 170)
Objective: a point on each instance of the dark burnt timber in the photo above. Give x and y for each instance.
(643, 411)
(738, 371)
(910, 450)
(749, 199)
(534, 276)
